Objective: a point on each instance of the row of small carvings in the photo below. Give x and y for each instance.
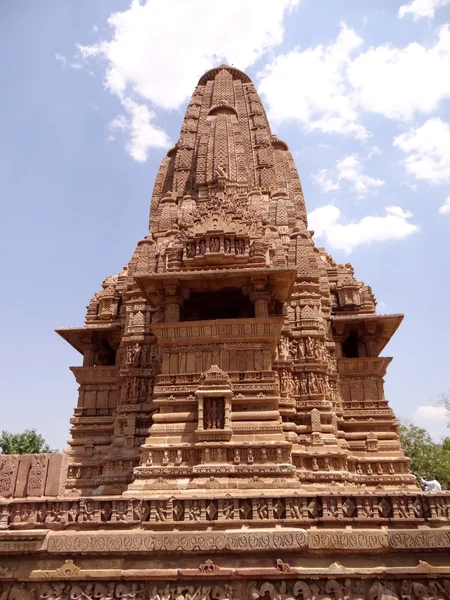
(235, 376)
(264, 457)
(278, 589)
(304, 508)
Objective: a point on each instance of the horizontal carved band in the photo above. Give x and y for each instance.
(278, 589)
(293, 509)
(288, 540)
(242, 541)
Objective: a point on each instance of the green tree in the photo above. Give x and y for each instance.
(27, 442)
(428, 458)
(443, 469)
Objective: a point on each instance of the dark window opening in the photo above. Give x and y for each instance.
(276, 309)
(350, 348)
(227, 304)
(104, 354)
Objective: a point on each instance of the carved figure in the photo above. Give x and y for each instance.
(214, 244)
(381, 591)
(303, 386)
(194, 511)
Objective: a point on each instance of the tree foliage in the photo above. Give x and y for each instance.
(428, 458)
(444, 400)
(27, 442)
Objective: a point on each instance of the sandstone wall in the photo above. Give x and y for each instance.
(32, 475)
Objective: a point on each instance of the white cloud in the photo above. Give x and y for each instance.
(445, 208)
(66, 63)
(61, 58)
(428, 149)
(329, 87)
(152, 57)
(142, 133)
(374, 151)
(310, 86)
(348, 169)
(400, 82)
(325, 181)
(160, 58)
(421, 8)
(433, 419)
(326, 222)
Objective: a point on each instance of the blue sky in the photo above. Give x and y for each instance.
(93, 93)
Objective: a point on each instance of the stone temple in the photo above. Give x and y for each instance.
(231, 440)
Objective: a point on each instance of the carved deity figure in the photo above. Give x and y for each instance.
(228, 509)
(284, 381)
(304, 386)
(320, 385)
(129, 355)
(160, 510)
(137, 351)
(194, 511)
(312, 380)
(283, 347)
(214, 244)
(262, 509)
(239, 246)
(190, 250)
(227, 245)
(291, 385)
(214, 413)
(301, 347)
(293, 349)
(202, 246)
(367, 508)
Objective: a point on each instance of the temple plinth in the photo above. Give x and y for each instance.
(232, 439)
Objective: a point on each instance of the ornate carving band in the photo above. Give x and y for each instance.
(410, 540)
(222, 541)
(293, 509)
(348, 540)
(278, 589)
(241, 541)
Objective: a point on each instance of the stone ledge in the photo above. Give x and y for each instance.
(235, 541)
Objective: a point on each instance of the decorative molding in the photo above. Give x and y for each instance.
(198, 542)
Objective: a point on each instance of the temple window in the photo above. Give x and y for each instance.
(229, 303)
(351, 347)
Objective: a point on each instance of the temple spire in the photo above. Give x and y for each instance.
(226, 139)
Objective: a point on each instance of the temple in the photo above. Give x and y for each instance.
(232, 439)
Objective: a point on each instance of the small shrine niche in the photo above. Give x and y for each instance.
(214, 406)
